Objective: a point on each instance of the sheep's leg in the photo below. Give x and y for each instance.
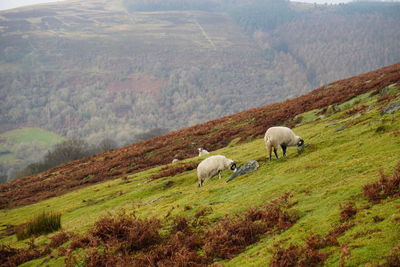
(269, 148)
(201, 182)
(219, 174)
(276, 153)
(214, 174)
(283, 146)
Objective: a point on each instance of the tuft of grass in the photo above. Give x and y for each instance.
(44, 223)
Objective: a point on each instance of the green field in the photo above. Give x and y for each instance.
(44, 137)
(9, 140)
(329, 173)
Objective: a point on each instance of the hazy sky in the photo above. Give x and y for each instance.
(7, 4)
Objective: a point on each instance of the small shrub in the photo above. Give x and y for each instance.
(309, 254)
(347, 211)
(203, 212)
(230, 237)
(10, 257)
(127, 232)
(6, 252)
(297, 256)
(44, 223)
(339, 230)
(393, 259)
(355, 110)
(83, 242)
(96, 258)
(233, 234)
(386, 97)
(388, 185)
(377, 219)
(59, 239)
(179, 250)
(316, 241)
(275, 214)
(187, 208)
(180, 224)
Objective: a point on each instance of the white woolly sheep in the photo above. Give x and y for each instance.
(202, 152)
(281, 136)
(212, 166)
(175, 160)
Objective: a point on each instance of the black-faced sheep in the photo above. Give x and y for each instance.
(212, 166)
(202, 152)
(283, 137)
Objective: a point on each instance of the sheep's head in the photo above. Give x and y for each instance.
(300, 142)
(233, 167)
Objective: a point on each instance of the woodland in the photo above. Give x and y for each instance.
(94, 73)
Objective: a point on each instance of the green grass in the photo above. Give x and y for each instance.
(44, 137)
(331, 171)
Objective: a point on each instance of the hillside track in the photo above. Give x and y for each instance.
(183, 143)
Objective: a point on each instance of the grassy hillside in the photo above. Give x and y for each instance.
(325, 214)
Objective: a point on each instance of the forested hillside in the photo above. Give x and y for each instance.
(97, 69)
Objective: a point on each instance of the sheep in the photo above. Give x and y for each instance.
(175, 160)
(281, 136)
(202, 152)
(212, 166)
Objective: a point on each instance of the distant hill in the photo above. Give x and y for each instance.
(97, 69)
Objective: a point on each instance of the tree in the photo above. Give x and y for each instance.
(69, 150)
(106, 145)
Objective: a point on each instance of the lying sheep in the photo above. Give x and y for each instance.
(212, 166)
(202, 152)
(281, 136)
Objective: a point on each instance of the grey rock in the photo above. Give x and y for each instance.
(249, 166)
(340, 128)
(392, 108)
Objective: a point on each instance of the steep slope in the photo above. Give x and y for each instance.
(307, 209)
(183, 144)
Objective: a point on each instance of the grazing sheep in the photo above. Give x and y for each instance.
(281, 136)
(212, 166)
(202, 152)
(175, 160)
